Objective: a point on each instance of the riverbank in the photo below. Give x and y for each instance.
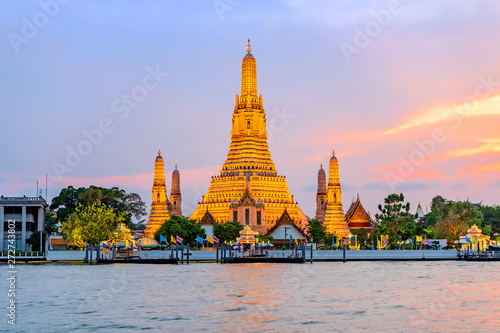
(317, 255)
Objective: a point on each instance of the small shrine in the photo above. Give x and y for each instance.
(247, 236)
(475, 240)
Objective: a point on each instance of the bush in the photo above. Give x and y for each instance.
(408, 247)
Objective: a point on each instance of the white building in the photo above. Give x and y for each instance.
(29, 216)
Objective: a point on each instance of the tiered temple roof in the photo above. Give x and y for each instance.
(358, 218)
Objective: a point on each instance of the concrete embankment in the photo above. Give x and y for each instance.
(318, 255)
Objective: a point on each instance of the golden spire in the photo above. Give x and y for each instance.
(249, 78)
(333, 151)
(175, 165)
(249, 48)
(159, 151)
(321, 165)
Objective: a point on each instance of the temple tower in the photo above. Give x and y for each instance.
(335, 221)
(321, 195)
(175, 194)
(160, 206)
(249, 166)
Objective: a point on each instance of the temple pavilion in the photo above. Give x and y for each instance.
(475, 240)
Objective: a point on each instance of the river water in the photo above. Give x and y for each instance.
(393, 296)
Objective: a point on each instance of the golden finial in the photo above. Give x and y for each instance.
(175, 165)
(333, 151)
(159, 151)
(321, 165)
(249, 48)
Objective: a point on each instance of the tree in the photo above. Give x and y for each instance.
(460, 216)
(361, 236)
(34, 241)
(430, 220)
(395, 218)
(51, 222)
(265, 239)
(316, 230)
(180, 226)
(129, 205)
(491, 218)
(92, 224)
(440, 207)
(227, 232)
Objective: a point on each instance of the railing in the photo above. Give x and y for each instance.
(22, 254)
(22, 198)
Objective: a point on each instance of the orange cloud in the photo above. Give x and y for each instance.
(490, 106)
(489, 146)
(483, 168)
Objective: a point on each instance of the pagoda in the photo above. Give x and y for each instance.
(160, 206)
(334, 218)
(248, 188)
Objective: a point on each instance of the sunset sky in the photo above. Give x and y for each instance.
(407, 92)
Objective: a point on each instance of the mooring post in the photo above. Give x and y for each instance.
(230, 251)
(343, 254)
(91, 250)
(176, 251)
(86, 253)
(311, 254)
(217, 254)
(187, 254)
(182, 254)
(98, 253)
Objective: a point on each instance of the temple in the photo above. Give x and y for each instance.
(175, 194)
(358, 218)
(161, 208)
(321, 195)
(334, 218)
(248, 188)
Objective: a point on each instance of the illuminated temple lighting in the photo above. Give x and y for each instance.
(161, 208)
(334, 218)
(248, 188)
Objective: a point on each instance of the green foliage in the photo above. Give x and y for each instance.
(228, 231)
(51, 222)
(492, 219)
(34, 241)
(316, 230)
(127, 205)
(430, 220)
(93, 223)
(440, 207)
(362, 237)
(265, 239)
(455, 217)
(395, 219)
(180, 226)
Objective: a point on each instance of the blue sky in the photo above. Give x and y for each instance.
(414, 109)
